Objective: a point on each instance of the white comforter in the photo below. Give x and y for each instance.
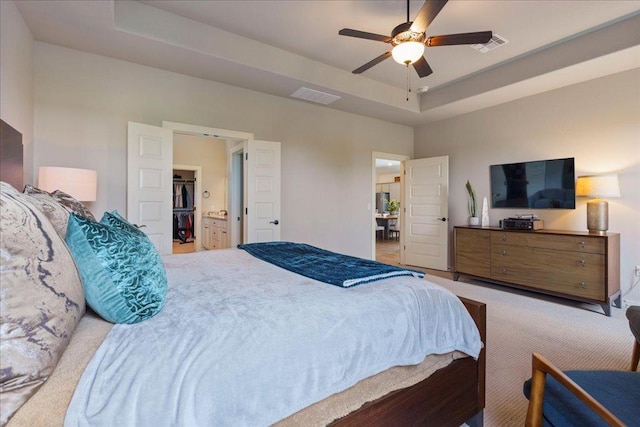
(241, 342)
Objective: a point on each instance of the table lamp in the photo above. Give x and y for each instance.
(597, 209)
(81, 184)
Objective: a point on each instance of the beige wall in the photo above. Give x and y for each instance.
(16, 79)
(597, 122)
(83, 103)
(211, 155)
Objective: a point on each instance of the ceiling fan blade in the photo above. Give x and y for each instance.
(371, 63)
(422, 67)
(428, 12)
(462, 38)
(364, 35)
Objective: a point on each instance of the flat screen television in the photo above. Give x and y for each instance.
(542, 184)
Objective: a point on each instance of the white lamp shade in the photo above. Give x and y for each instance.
(598, 186)
(81, 184)
(407, 52)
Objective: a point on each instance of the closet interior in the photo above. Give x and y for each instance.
(184, 187)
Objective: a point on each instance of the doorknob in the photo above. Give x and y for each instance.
(443, 219)
(276, 222)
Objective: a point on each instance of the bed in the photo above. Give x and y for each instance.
(352, 380)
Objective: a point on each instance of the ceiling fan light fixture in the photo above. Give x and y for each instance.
(407, 53)
(408, 40)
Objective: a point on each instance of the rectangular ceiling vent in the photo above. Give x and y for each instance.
(315, 96)
(495, 42)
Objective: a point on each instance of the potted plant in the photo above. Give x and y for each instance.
(472, 205)
(393, 206)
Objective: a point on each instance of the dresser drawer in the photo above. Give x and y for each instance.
(473, 240)
(473, 252)
(220, 223)
(584, 244)
(473, 264)
(571, 273)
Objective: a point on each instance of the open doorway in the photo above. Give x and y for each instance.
(149, 189)
(186, 207)
(387, 207)
(200, 171)
(225, 194)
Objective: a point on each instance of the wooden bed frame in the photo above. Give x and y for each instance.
(450, 397)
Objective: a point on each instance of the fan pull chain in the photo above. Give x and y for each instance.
(408, 81)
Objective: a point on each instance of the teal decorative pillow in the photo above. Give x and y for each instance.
(122, 273)
(114, 219)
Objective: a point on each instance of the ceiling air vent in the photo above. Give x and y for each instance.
(314, 96)
(495, 42)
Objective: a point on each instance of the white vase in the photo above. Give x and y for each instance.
(474, 220)
(485, 213)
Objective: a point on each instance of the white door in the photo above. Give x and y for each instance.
(262, 191)
(149, 183)
(425, 215)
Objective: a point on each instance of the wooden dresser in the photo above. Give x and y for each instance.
(575, 265)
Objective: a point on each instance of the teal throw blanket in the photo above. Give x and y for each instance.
(326, 266)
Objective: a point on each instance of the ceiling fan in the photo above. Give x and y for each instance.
(409, 39)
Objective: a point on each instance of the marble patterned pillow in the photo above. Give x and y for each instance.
(72, 204)
(57, 213)
(41, 300)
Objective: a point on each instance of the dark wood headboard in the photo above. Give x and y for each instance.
(10, 155)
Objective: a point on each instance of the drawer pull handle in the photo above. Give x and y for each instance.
(583, 263)
(504, 271)
(485, 236)
(582, 285)
(504, 253)
(504, 238)
(583, 245)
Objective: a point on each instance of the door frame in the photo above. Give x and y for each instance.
(232, 140)
(197, 201)
(236, 196)
(372, 210)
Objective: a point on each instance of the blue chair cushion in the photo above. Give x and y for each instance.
(122, 273)
(618, 391)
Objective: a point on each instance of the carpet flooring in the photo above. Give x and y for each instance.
(571, 335)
